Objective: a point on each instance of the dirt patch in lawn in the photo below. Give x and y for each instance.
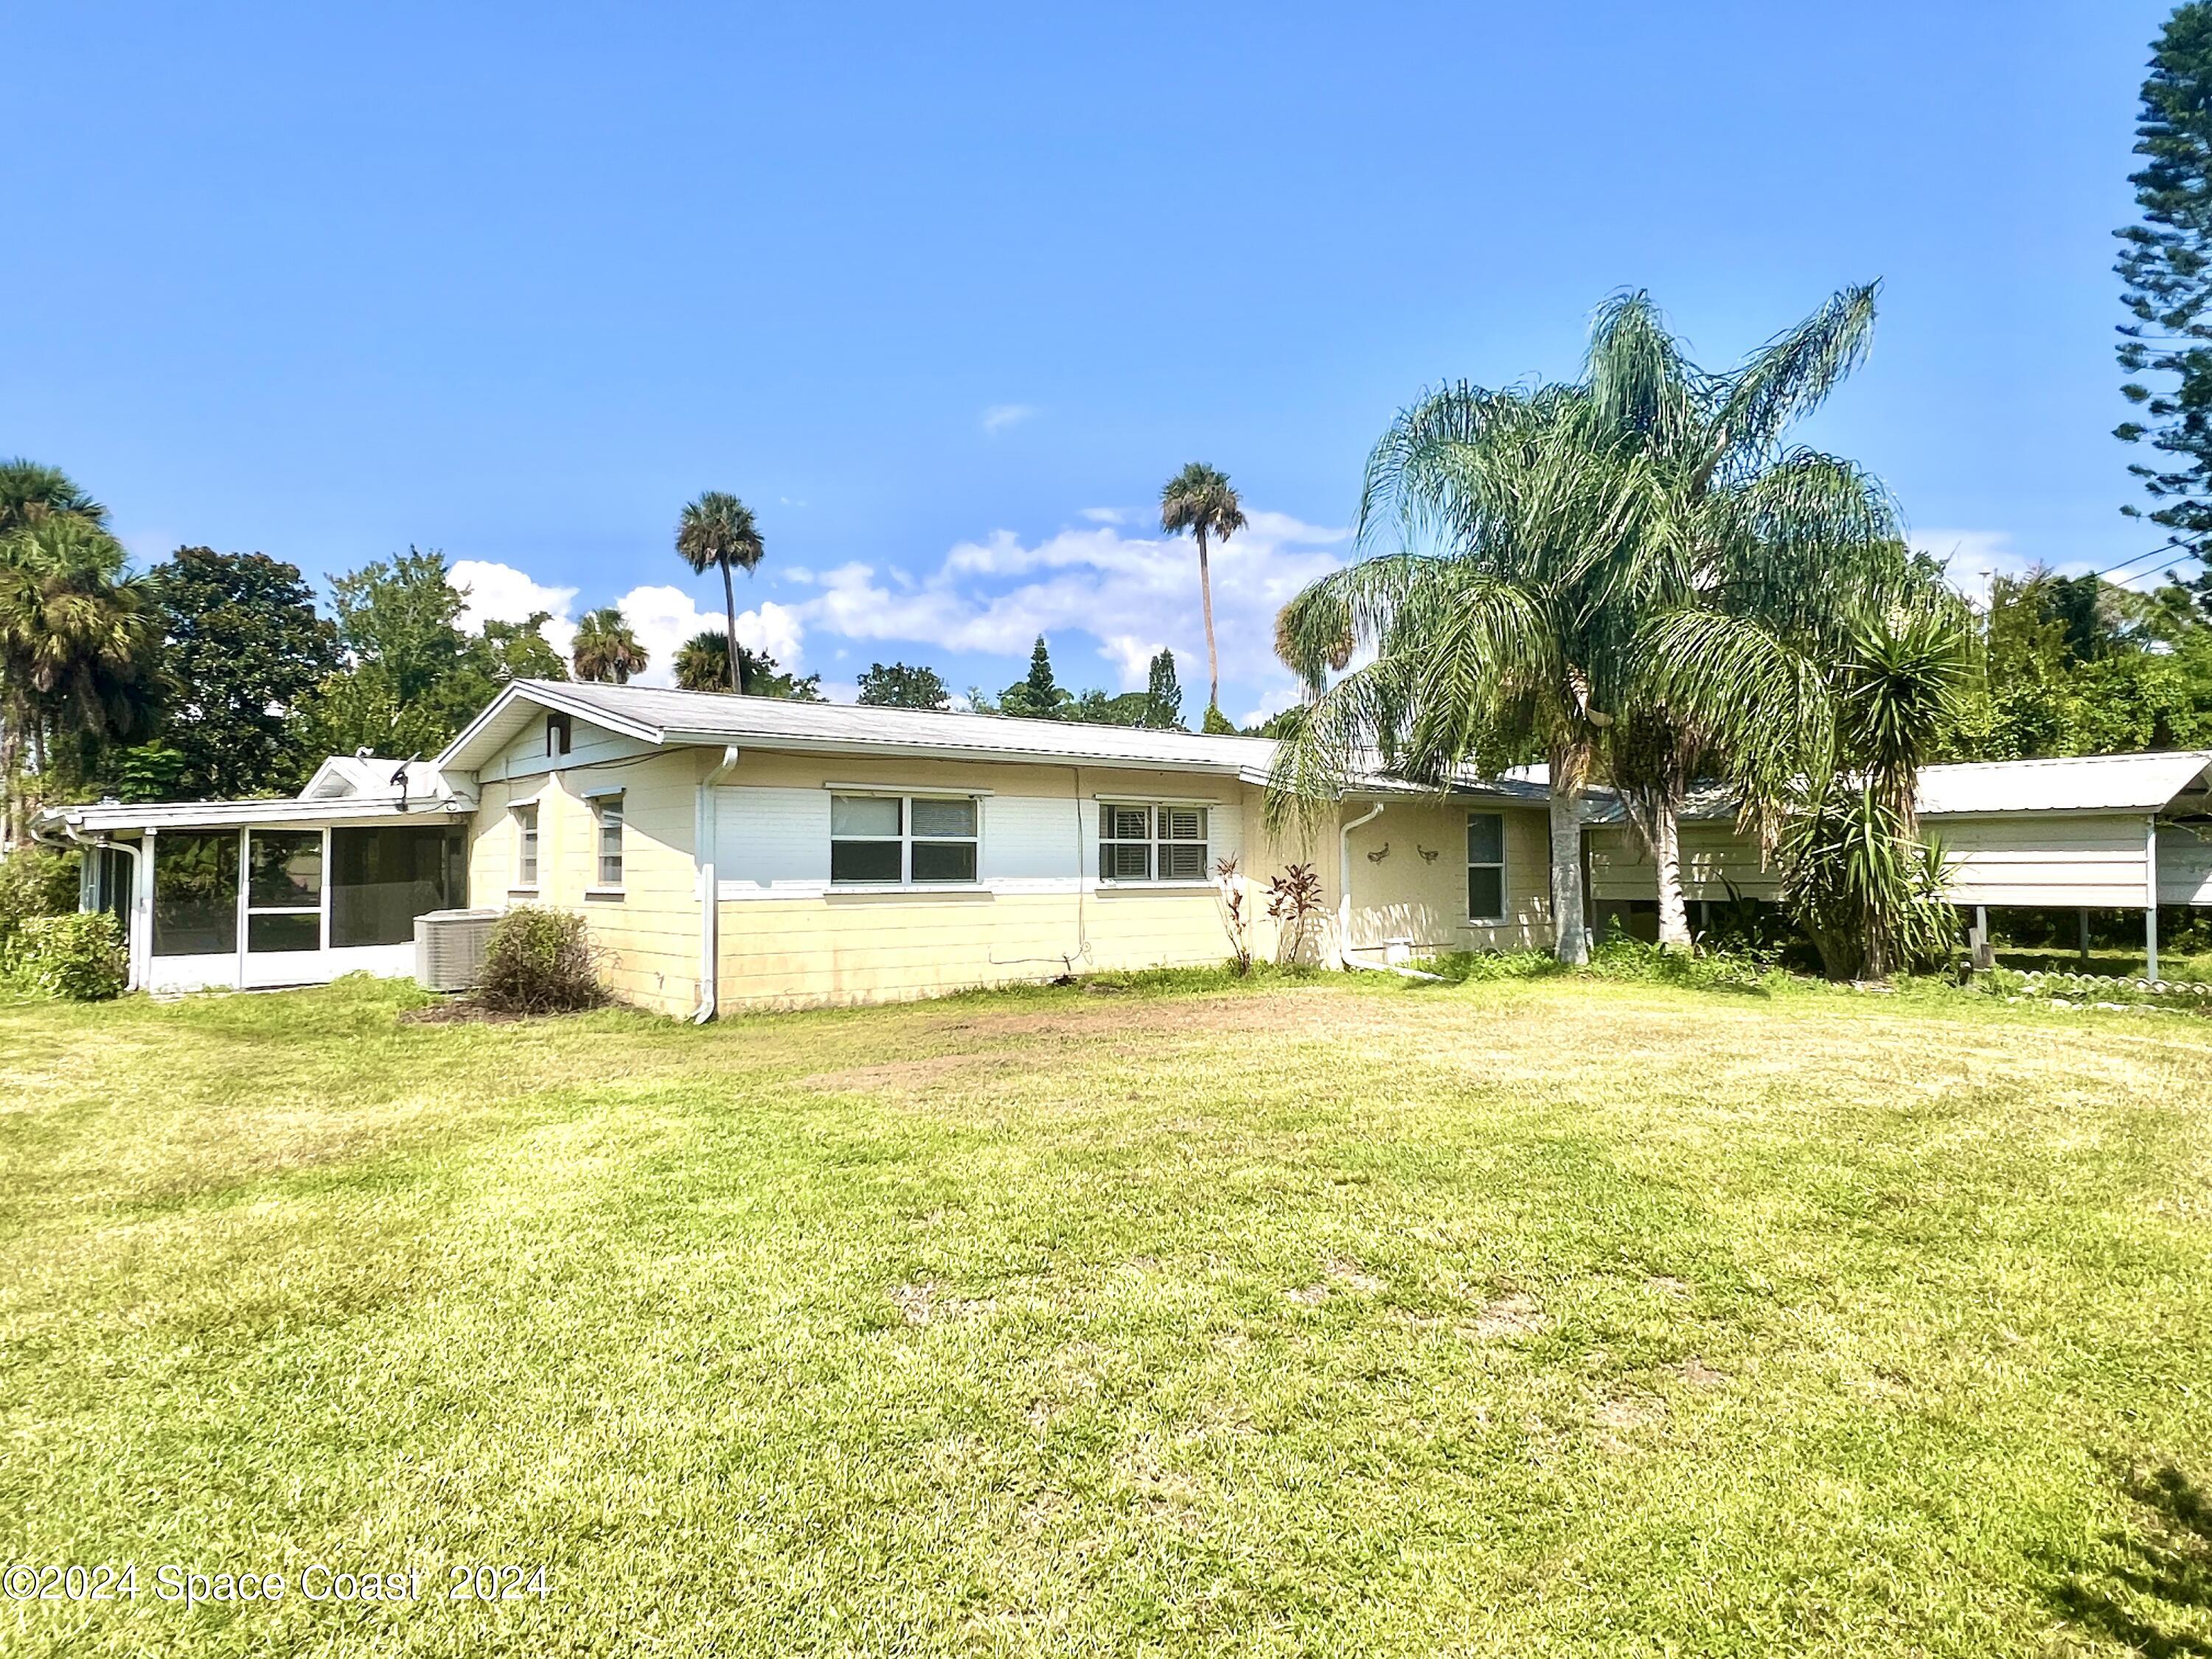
(1509, 1318)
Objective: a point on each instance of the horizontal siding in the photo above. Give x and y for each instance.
(2092, 861)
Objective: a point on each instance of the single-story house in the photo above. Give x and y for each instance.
(734, 853)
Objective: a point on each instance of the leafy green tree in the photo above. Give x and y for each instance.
(2165, 265)
(243, 646)
(1164, 695)
(1098, 708)
(412, 677)
(607, 648)
(902, 685)
(1200, 499)
(717, 531)
(703, 664)
(1037, 695)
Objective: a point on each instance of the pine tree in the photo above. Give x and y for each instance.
(1163, 696)
(1036, 695)
(2166, 265)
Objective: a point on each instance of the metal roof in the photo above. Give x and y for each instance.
(653, 714)
(2070, 783)
(103, 817)
(656, 715)
(2083, 783)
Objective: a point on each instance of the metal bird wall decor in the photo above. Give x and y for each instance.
(1379, 854)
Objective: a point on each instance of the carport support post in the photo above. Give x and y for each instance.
(2084, 913)
(2150, 902)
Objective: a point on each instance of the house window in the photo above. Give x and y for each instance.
(903, 839)
(610, 841)
(525, 844)
(1161, 842)
(556, 735)
(1485, 866)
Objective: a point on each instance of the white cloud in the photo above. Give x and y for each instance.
(1105, 515)
(999, 417)
(664, 617)
(1133, 594)
(500, 592)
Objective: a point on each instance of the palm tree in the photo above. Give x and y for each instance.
(606, 649)
(718, 530)
(1773, 548)
(1506, 614)
(30, 491)
(79, 647)
(1200, 499)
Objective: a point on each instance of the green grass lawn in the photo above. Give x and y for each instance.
(1352, 1317)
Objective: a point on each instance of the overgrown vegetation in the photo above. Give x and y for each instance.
(540, 961)
(78, 958)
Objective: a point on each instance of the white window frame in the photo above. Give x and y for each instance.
(906, 838)
(604, 807)
(1156, 839)
(247, 909)
(529, 848)
(1505, 888)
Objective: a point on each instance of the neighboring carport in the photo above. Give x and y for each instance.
(2105, 832)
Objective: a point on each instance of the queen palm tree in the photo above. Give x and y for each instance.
(1200, 498)
(1769, 545)
(1635, 520)
(1504, 616)
(717, 530)
(606, 649)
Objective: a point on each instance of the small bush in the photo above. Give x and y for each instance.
(34, 881)
(540, 962)
(77, 957)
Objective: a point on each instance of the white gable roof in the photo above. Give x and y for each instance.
(343, 777)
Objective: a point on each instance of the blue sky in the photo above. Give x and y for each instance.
(947, 293)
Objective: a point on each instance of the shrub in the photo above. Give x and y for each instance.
(540, 962)
(1294, 901)
(34, 881)
(76, 958)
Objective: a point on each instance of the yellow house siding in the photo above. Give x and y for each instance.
(1399, 893)
(789, 939)
(648, 932)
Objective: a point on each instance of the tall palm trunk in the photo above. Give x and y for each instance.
(1665, 837)
(1571, 768)
(1205, 605)
(730, 618)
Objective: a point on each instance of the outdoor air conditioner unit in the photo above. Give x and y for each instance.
(449, 948)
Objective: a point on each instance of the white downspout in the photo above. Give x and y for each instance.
(710, 889)
(1343, 884)
(132, 980)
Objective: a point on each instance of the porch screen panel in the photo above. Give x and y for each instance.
(382, 878)
(196, 894)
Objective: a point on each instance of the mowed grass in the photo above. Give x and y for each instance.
(1350, 1317)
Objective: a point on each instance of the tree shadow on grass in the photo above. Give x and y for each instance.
(2150, 1588)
